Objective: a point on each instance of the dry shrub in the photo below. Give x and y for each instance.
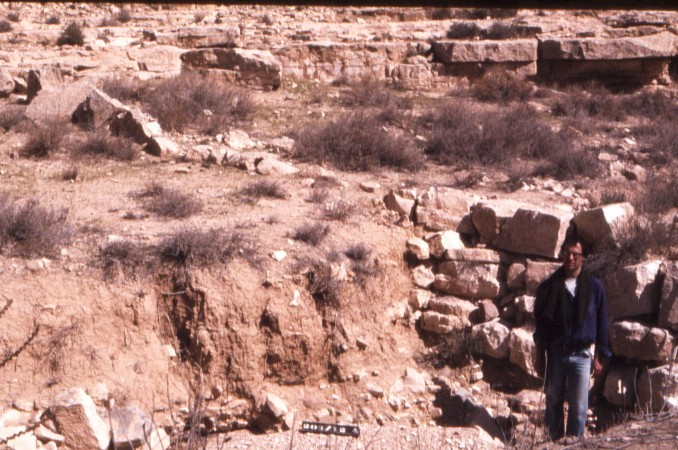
(454, 349)
(5, 26)
(592, 100)
(362, 263)
(610, 197)
(265, 188)
(357, 142)
(123, 88)
(70, 174)
(168, 202)
(340, 209)
(658, 196)
(30, 229)
(370, 92)
(460, 134)
(124, 15)
(71, 35)
(659, 139)
(501, 30)
(463, 30)
(566, 166)
(653, 105)
(194, 102)
(126, 258)
(318, 196)
(53, 20)
(11, 115)
(311, 233)
(323, 285)
(103, 144)
(502, 87)
(43, 141)
(13, 17)
(193, 247)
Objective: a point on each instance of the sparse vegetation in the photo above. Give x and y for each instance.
(5, 26)
(53, 20)
(124, 257)
(339, 210)
(70, 174)
(168, 202)
(659, 195)
(13, 17)
(368, 92)
(659, 139)
(610, 197)
(357, 142)
(318, 195)
(502, 87)
(362, 263)
(324, 286)
(71, 35)
(28, 229)
(123, 88)
(193, 247)
(265, 188)
(463, 30)
(43, 141)
(103, 144)
(312, 234)
(205, 104)
(11, 115)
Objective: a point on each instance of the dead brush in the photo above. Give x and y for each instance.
(43, 141)
(53, 350)
(501, 87)
(123, 88)
(190, 247)
(339, 210)
(125, 258)
(71, 35)
(11, 115)
(659, 139)
(168, 202)
(324, 287)
(103, 144)
(265, 188)
(318, 196)
(8, 354)
(368, 92)
(362, 263)
(29, 229)
(313, 234)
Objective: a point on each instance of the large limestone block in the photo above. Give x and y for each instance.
(442, 241)
(159, 59)
(199, 37)
(480, 255)
(522, 351)
(534, 232)
(441, 208)
(77, 420)
(660, 45)
(658, 389)
(422, 276)
(620, 385)
(251, 67)
(418, 247)
(271, 166)
(396, 201)
(469, 279)
(45, 78)
(636, 341)
(439, 323)
(668, 303)
(131, 427)
(516, 50)
(493, 338)
(489, 216)
(96, 110)
(453, 306)
(633, 291)
(57, 104)
(536, 272)
(600, 226)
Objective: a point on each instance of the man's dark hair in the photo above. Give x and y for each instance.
(574, 239)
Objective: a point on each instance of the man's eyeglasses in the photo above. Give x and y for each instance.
(574, 255)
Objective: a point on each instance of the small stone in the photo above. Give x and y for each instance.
(361, 343)
(374, 390)
(279, 255)
(369, 186)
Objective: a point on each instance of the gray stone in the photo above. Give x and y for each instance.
(438, 323)
(422, 276)
(442, 241)
(415, 381)
(515, 276)
(601, 226)
(668, 303)
(658, 389)
(131, 427)
(493, 338)
(454, 307)
(45, 78)
(251, 67)
(6, 84)
(534, 232)
(419, 248)
(636, 341)
(480, 255)
(283, 144)
(468, 279)
(394, 201)
(536, 273)
(489, 217)
(419, 298)
(658, 45)
(515, 50)
(441, 208)
(270, 166)
(522, 351)
(620, 385)
(633, 291)
(487, 311)
(77, 420)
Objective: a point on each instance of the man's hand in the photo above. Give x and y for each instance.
(597, 366)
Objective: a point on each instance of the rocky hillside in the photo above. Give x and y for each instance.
(218, 221)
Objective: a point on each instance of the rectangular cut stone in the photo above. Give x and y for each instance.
(601, 226)
(485, 51)
(441, 323)
(633, 291)
(468, 279)
(441, 208)
(636, 341)
(480, 255)
(533, 232)
(489, 216)
(453, 306)
(536, 273)
(660, 45)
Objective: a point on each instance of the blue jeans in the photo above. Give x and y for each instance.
(568, 380)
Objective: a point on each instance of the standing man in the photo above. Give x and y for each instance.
(570, 315)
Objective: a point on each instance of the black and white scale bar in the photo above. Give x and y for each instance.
(328, 428)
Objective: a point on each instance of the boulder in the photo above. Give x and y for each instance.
(131, 427)
(159, 60)
(489, 216)
(78, 421)
(46, 78)
(454, 307)
(658, 389)
(422, 276)
(536, 273)
(524, 308)
(600, 226)
(522, 351)
(144, 130)
(57, 104)
(636, 341)
(283, 145)
(515, 276)
(418, 248)
(492, 338)
(633, 290)
(468, 279)
(439, 323)
(395, 201)
(668, 302)
(534, 232)
(96, 110)
(441, 208)
(442, 241)
(239, 140)
(487, 311)
(270, 166)
(620, 385)
(419, 298)
(257, 68)
(415, 381)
